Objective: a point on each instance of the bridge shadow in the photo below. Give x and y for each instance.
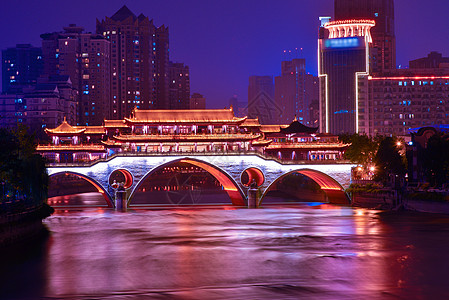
(71, 189)
(304, 185)
(186, 182)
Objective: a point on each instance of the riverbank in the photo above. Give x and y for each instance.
(24, 226)
(390, 200)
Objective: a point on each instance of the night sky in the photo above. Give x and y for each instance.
(225, 41)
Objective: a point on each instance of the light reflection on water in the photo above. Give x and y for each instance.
(315, 252)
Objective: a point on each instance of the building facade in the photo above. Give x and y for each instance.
(85, 57)
(344, 48)
(197, 101)
(42, 105)
(139, 62)
(261, 103)
(179, 86)
(404, 100)
(21, 66)
(383, 49)
(294, 92)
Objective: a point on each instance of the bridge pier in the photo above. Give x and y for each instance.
(253, 198)
(120, 200)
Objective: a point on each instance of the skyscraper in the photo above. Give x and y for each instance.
(261, 102)
(85, 57)
(343, 60)
(139, 62)
(21, 65)
(294, 91)
(383, 52)
(179, 86)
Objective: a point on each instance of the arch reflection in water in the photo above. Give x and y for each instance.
(75, 190)
(184, 182)
(305, 186)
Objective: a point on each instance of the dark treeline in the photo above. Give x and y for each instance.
(23, 175)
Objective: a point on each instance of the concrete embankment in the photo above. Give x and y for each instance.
(23, 226)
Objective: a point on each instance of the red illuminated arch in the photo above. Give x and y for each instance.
(128, 178)
(251, 174)
(329, 185)
(98, 186)
(228, 183)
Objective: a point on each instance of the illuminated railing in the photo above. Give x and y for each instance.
(265, 156)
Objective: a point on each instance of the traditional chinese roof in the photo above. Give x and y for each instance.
(115, 124)
(296, 127)
(308, 146)
(75, 148)
(65, 129)
(261, 143)
(187, 138)
(185, 116)
(92, 129)
(251, 123)
(271, 128)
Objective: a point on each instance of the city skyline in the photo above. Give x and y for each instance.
(238, 41)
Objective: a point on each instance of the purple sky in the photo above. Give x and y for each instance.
(225, 41)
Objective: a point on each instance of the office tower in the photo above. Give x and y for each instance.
(179, 86)
(161, 64)
(383, 50)
(139, 62)
(406, 99)
(294, 91)
(261, 102)
(343, 60)
(21, 65)
(85, 58)
(197, 101)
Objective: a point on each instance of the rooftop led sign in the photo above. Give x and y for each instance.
(351, 42)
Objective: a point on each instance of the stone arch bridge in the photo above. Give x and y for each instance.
(332, 177)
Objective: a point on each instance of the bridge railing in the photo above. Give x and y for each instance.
(195, 153)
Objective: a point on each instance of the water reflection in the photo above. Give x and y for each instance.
(315, 252)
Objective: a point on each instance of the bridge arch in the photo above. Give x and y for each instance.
(331, 187)
(230, 186)
(92, 181)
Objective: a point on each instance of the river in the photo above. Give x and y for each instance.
(284, 252)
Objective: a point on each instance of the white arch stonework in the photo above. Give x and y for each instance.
(232, 164)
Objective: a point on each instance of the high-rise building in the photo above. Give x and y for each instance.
(294, 91)
(405, 99)
(197, 101)
(139, 62)
(383, 49)
(44, 104)
(85, 57)
(343, 60)
(240, 108)
(179, 86)
(160, 73)
(261, 102)
(21, 65)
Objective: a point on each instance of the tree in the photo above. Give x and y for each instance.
(361, 150)
(22, 172)
(389, 162)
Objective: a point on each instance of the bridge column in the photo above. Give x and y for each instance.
(120, 200)
(253, 198)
